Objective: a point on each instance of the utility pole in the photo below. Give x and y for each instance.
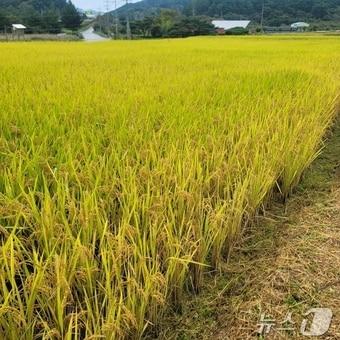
(116, 21)
(128, 28)
(107, 4)
(193, 4)
(6, 35)
(107, 15)
(262, 16)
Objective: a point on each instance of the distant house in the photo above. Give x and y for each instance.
(18, 30)
(222, 26)
(299, 26)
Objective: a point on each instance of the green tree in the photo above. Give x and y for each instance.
(319, 11)
(147, 27)
(166, 20)
(50, 22)
(190, 26)
(4, 21)
(156, 31)
(70, 17)
(38, 16)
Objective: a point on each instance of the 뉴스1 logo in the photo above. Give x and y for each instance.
(322, 318)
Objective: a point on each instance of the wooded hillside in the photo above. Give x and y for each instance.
(276, 12)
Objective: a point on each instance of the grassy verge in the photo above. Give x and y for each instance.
(40, 37)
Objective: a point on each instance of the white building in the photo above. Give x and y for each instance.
(18, 30)
(299, 26)
(18, 27)
(222, 26)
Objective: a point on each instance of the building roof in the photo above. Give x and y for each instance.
(18, 26)
(299, 25)
(229, 24)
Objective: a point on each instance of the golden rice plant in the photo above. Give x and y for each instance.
(128, 168)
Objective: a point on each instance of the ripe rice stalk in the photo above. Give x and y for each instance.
(128, 169)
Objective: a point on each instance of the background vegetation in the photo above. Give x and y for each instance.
(45, 16)
(320, 13)
(183, 18)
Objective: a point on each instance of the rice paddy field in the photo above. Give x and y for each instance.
(127, 169)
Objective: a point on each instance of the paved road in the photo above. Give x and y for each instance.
(90, 36)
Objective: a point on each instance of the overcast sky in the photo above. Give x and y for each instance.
(97, 4)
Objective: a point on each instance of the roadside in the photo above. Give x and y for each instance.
(90, 35)
(87, 34)
(65, 35)
(40, 37)
(287, 263)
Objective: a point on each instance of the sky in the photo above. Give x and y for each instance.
(97, 4)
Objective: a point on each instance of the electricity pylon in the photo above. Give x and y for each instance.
(107, 6)
(128, 28)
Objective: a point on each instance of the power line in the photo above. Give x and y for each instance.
(116, 20)
(262, 15)
(107, 5)
(128, 28)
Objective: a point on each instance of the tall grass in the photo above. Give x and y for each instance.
(128, 168)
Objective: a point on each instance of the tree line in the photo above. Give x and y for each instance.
(276, 12)
(166, 23)
(40, 16)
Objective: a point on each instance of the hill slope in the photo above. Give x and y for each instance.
(276, 12)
